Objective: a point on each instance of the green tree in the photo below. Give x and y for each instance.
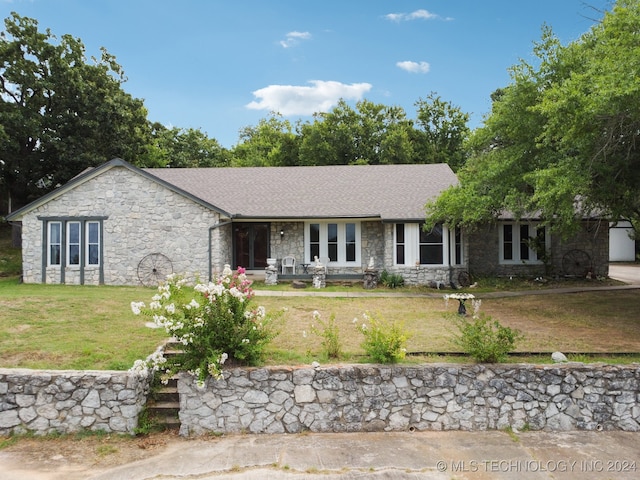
(60, 112)
(183, 148)
(442, 132)
(369, 134)
(562, 137)
(273, 142)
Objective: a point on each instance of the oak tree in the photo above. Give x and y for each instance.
(561, 141)
(60, 111)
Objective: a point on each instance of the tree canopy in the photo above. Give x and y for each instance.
(271, 143)
(60, 111)
(180, 148)
(561, 141)
(369, 134)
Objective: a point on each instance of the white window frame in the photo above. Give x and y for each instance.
(89, 244)
(50, 244)
(64, 243)
(342, 242)
(516, 241)
(453, 258)
(69, 226)
(412, 245)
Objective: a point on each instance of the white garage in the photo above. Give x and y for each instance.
(622, 248)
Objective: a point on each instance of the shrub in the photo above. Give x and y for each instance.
(212, 322)
(485, 339)
(391, 280)
(384, 342)
(329, 333)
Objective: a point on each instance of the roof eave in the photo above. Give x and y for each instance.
(94, 172)
(239, 216)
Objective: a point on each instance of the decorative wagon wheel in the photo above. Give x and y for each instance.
(576, 263)
(153, 269)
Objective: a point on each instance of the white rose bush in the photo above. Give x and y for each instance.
(212, 323)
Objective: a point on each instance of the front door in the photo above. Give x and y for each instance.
(250, 245)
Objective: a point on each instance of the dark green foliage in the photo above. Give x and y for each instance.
(60, 112)
(485, 339)
(561, 142)
(391, 280)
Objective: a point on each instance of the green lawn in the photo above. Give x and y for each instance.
(72, 327)
(84, 327)
(87, 327)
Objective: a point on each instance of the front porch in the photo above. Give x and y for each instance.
(259, 275)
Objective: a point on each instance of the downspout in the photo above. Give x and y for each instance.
(211, 229)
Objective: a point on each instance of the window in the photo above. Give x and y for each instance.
(93, 243)
(73, 242)
(332, 241)
(54, 242)
(522, 243)
(314, 241)
(400, 246)
(456, 254)
(431, 246)
(507, 242)
(337, 241)
(414, 246)
(350, 241)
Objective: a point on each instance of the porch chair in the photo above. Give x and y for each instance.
(289, 262)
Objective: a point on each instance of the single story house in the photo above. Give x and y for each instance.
(117, 224)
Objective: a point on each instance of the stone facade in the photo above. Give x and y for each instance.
(376, 243)
(141, 217)
(418, 274)
(484, 252)
(374, 236)
(45, 402)
(290, 243)
(354, 398)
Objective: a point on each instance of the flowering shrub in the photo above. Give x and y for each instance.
(384, 342)
(212, 322)
(329, 333)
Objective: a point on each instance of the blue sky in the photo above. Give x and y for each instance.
(222, 65)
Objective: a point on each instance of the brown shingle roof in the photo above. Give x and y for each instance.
(389, 192)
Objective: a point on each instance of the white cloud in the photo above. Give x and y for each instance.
(293, 38)
(321, 96)
(422, 15)
(414, 67)
(416, 15)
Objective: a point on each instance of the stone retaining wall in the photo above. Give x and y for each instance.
(427, 397)
(44, 402)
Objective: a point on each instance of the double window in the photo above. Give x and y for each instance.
(415, 246)
(340, 242)
(522, 243)
(73, 242)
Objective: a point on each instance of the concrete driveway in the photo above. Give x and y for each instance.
(625, 272)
